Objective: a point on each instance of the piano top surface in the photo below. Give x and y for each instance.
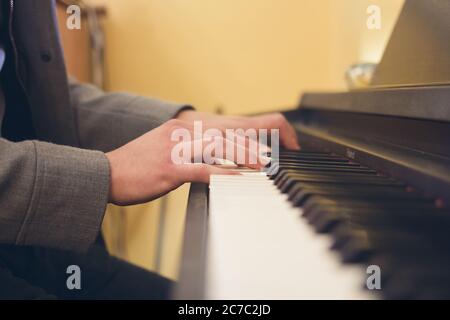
(418, 51)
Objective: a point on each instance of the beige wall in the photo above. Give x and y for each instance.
(351, 41)
(241, 56)
(238, 56)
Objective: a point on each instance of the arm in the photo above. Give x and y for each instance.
(51, 195)
(55, 196)
(107, 121)
(136, 133)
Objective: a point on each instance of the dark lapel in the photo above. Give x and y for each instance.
(43, 71)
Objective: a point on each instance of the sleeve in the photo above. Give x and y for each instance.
(106, 121)
(51, 195)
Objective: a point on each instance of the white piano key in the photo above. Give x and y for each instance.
(260, 248)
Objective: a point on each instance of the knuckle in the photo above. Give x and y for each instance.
(280, 118)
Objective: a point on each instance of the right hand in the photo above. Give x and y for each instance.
(142, 170)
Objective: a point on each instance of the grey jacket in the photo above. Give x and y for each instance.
(53, 191)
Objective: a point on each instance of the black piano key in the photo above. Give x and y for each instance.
(306, 152)
(414, 260)
(276, 168)
(299, 168)
(284, 184)
(331, 176)
(313, 158)
(298, 194)
(357, 244)
(371, 217)
(403, 220)
(294, 166)
(302, 162)
(286, 170)
(285, 174)
(375, 201)
(315, 203)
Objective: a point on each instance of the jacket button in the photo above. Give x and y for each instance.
(46, 56)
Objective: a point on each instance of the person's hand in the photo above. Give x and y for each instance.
(288, 137)
(143, 169)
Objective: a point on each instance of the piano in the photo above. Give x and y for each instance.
(362, 211)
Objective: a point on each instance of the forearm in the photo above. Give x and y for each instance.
(106, 121)
(51, 195)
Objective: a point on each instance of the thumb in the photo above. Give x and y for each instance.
(201, 172)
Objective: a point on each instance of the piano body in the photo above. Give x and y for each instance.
(368, 194)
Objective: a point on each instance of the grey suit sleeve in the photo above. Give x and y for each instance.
(109, 120)
(51, 195)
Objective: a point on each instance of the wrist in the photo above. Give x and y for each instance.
(113, 177)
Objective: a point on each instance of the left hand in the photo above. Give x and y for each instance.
(288, 136)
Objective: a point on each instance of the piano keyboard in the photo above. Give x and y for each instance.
(310, 230)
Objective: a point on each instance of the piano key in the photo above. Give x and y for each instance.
(286, 171)
(290, 168)
(315, 203)
(274, 168)
(355, 179)
(242, 258)
(359, 243)
(403, 218)
(425, 261)
(299, 195)
(314, 158)
(366, 217)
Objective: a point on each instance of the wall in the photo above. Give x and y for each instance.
(236, 56)
(351, 41)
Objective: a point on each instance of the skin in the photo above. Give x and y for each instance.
(142, 170)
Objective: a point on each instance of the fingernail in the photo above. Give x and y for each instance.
(264, 160)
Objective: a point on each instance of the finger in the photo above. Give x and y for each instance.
(290, 137)
(239, 153)
(231, 134)
(201, 172)
(247, 142)
(241, 149)
(250, 142)
(287, 133)
(210, 148)
(223, 163)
